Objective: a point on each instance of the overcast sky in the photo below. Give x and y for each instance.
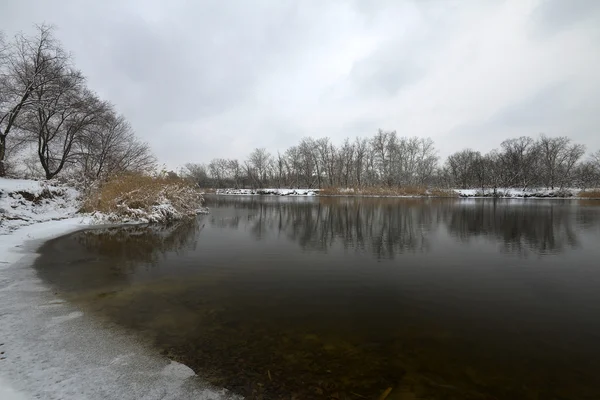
(214, 78)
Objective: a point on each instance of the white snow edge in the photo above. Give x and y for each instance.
(52, 351)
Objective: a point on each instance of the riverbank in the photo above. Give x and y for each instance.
(417, 192)
(124, 199)
(536, 193)
(25, 202)
(50, 349)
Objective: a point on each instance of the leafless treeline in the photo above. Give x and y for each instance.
(552, 162)
(47, 109)
(384, 159)
(387, 159)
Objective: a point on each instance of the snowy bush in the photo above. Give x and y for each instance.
(142, 198)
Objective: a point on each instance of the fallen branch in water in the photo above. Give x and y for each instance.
(385, 394)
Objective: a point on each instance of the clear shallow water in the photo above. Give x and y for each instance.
(336, 298)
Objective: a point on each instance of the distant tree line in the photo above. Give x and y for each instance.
(387, 159)
(47, 110)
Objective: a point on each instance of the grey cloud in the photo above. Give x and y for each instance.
(387, 71)
(202, 79)
(542, 112)
(546, 105)
(405, 59)
(552, 16)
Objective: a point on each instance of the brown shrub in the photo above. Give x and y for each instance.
(142, 197)
(442, 193)
(590, 194)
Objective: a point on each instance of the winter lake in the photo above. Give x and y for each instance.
(345, 298)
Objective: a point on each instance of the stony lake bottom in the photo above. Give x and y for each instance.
(356, 298)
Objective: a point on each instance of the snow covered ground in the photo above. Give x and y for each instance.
(48, 348)
(500, 192)
(519, 193)
(273, 192)
(25, 202)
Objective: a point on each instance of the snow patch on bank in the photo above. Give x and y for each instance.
(160, 213)
(25, 202)
(271, 192)
(519, 193)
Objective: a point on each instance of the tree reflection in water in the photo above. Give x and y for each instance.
(302, 298)
(140, 243)
(387, 227)
(112, 255)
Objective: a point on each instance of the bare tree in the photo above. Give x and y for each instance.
(218, 171)
(197, 173)
(346, 160)
(280, 170)
(308, 165)
(325, 160)
(61, 113)
(384, 149)
(595, 169)
(361, 149)
(427, 160)
(461, 167)
(28, 63)
(519, 158)
(558, 158)
(258, 165)
(235, 172)
(480, 171)
(595, 158)
(292, 165)
(110, 147)
(586, 175)
(493, 170)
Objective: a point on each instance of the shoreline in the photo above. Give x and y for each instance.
(54, 350)
(413, 193)
(458, 197)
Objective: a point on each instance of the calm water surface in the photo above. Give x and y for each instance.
(337, 298)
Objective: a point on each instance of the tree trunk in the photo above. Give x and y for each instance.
(2, 155)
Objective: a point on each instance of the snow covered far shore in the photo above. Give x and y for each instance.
(508, 193)
(470, 193)
(272, 192)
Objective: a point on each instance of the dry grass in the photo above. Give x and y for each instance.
(411, 191)
(590, 194)
(442, 193)
(137, 196)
